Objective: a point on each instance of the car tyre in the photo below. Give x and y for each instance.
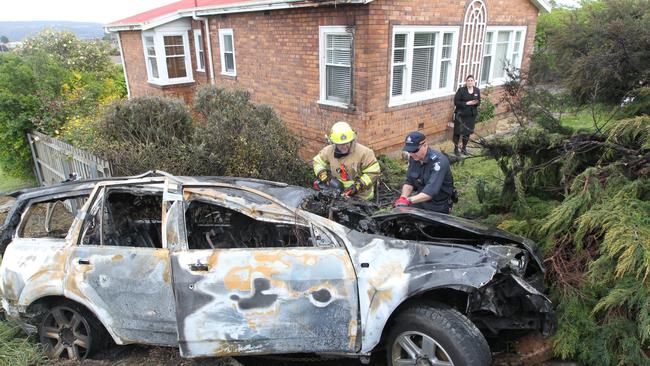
(435, 334)
(69, 331)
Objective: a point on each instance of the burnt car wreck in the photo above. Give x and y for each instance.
(228, 266)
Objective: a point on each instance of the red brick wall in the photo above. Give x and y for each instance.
(277, 60)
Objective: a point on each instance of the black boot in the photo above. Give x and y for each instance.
(464, 146)
(456, 151)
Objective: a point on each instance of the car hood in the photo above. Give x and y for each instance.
(458, 224)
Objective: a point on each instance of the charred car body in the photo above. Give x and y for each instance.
(228, 266)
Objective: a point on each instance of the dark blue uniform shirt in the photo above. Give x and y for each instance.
(433, 177)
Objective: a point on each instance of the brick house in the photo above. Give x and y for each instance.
(386, 66)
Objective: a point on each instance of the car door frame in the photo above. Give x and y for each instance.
(92, 273)
(210, 315)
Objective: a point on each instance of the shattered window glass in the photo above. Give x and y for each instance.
(50, 219)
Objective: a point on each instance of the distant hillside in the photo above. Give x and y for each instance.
(17, 31)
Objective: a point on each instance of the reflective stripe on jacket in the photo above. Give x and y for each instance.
(360, 162)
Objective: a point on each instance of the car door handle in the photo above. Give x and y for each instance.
(199, 267)
(84, 261)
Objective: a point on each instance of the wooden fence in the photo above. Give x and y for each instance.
(56, 161)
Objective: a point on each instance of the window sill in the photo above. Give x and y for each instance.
(328, 104)
(163, 83)
(229, 74)
(427, 98)
(200, 70)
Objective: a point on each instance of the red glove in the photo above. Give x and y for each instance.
(402, 201)
(316, 185)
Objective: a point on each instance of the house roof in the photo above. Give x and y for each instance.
(187, 8)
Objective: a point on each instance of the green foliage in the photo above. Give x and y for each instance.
(30, 92)
(71, 52)
(56, 85)
(600, 49)
(144, 134)
(16, 348)
(234, 137)
(240, 138)
(4, 39)
(487, 109)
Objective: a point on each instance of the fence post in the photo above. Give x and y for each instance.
(37, 165)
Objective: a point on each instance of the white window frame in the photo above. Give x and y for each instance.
(491, 80)
(324, 31)
(435, 92)
(222, 33)
(199, 50)
(161, 57)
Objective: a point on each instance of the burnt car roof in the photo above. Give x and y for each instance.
(288, 194)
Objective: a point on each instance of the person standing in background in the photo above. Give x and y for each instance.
(466, 100)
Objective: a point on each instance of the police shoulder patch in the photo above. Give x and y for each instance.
(436, 166)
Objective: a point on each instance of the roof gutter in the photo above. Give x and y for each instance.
(542, 5)
(244, 7)
(206, 21)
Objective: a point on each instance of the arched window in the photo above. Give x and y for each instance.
(471, 52)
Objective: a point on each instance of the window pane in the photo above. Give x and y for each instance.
(501, 54)
(446, 43)
(488, 43)
(176, 67)
(174, 50)
(199, 41)
(398, 80)
(154, 67)
(151, 50)
(227, 43)
(444, 74)
(338, 83)
(339, 49)
(485, 71)
(399, 56)
(400, 41)
(201, 60)
(421, 77)
(424, 39)
(230, 62)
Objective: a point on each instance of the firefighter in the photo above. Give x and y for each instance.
(348, 162)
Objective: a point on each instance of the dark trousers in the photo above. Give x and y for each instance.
(456, 139)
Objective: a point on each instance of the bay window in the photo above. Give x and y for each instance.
(167, 57)
(423, 63)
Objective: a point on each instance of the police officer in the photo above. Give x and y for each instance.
(428, 176)
(347, 162)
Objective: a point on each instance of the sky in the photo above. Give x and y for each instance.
(99, 11)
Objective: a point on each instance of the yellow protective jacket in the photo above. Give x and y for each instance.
(360, 162)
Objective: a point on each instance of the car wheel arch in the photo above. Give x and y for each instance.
(455, 298)
(41, 305)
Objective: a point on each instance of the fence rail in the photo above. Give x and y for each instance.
(55, 161)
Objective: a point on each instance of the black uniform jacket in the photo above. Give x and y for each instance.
(433, 177)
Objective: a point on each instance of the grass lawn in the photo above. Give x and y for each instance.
(16, 348)
(8, 183)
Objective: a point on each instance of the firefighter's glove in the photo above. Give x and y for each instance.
(318, 185)
(402, 201)
(324, 176)
(354, 188)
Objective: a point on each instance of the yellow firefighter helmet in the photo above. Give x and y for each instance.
(342, 133)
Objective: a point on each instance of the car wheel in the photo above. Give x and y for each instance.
(68, 332)
(435, 334)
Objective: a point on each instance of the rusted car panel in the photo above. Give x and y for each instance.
(233, 266)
